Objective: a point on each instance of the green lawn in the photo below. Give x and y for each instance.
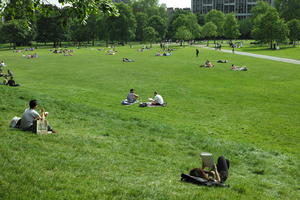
(285, 51)
(108, 151)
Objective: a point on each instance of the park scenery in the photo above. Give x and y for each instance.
(127, 101)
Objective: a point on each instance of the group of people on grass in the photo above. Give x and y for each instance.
(8, 77)
(132, 98)
(208, 64)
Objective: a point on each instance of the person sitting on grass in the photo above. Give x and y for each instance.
(2, 64)
(4, 81)
(9, 73)
(157, 100)
(12, 82)
(132, 96)
(207, 64)
(30, 115)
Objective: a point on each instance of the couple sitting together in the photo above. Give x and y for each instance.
(132, 98)
(207, 64)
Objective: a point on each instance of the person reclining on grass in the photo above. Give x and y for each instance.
(30, 115)
(218, 173)
(222, 61)
(127, 60)
(237, 68)
(157, 99)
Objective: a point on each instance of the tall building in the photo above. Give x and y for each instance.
(241, 8)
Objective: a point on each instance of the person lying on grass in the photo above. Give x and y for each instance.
(237, 68)
(222, 61)
(157, 99)
(30, 115)
(218, 172)
(127, 60)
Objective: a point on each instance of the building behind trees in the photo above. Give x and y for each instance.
(241, 8)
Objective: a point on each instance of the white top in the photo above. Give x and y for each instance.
(2, 64)
(159, 99)
(28, 117)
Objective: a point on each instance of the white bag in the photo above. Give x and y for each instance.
(14, 122)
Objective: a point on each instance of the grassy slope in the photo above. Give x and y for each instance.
(106, 151)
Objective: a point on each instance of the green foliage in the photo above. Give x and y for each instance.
(231, 27)
(159, 24)
(288, 9)
(150, 34)
(270, 27)
(261, 8)
(245, 27)
(141, 23)
(218, 18)
(189, 21)
(294, 27)
(17, 32)
(122, 28)
(183, 33)
(209, 30)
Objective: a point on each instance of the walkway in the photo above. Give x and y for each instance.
(286, 60)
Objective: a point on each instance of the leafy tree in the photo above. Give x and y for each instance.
(245, 27)
(294, 27)
(288, 9)
(231, 27)
(50, 28)
(122, 28)
(269, 28)
(141, 23)
(183, 34)
(259, 9)
(150, 35)
(190, 22)
(218, 18)
(209, 30)
(81, 9)
(17, 32)
(159, 24)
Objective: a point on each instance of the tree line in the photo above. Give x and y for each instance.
(142, 20)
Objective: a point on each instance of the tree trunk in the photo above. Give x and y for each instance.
(207, 43)
(271, 44)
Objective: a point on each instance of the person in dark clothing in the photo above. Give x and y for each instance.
(218, 173)
(12, 83)
(197, 52)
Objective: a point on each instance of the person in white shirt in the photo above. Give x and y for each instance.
(30, 115)
(157, 100)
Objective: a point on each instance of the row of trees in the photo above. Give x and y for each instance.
(143, 20)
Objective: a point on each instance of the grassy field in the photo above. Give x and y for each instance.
(285, 51)
(107, 151)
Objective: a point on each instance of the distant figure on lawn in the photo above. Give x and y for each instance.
(30, 115)
(132, 96)
(222, 61)
(2, 64)
(237, 68)
(207, 64)
(157, 99)
(12, 82)
(197, 52)
(127, 60)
